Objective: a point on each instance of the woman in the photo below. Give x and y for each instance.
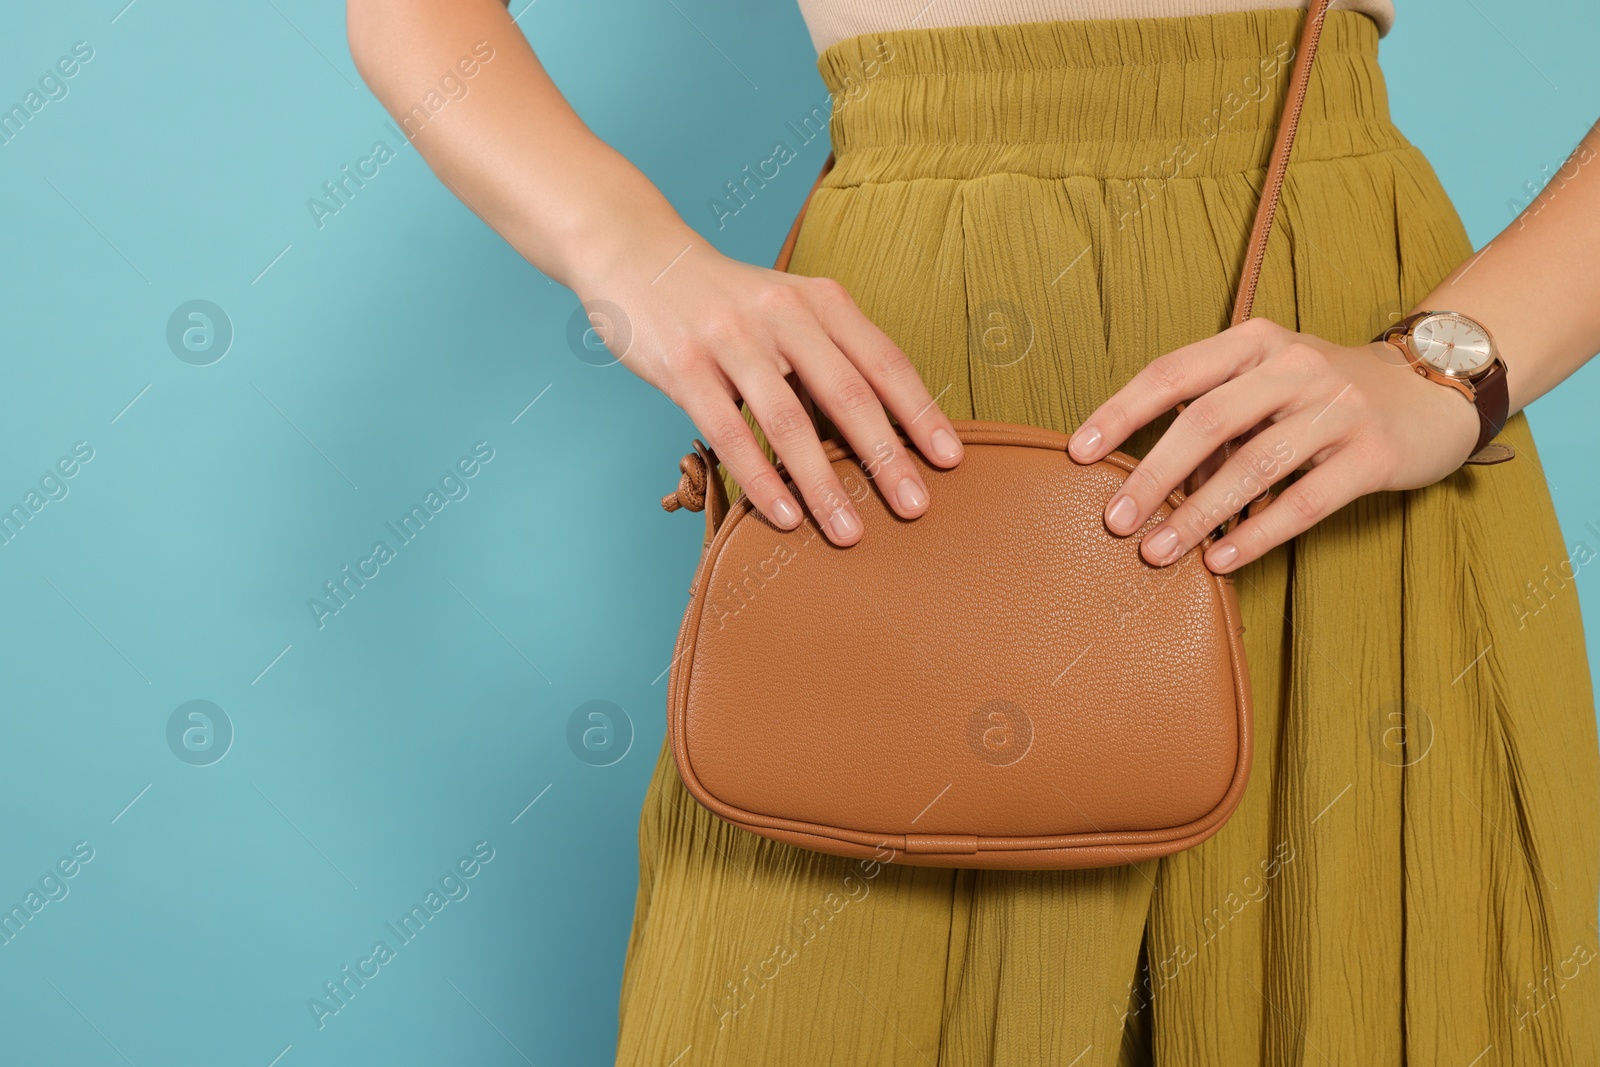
(1041, 219)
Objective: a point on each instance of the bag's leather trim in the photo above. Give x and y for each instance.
(1049, 852)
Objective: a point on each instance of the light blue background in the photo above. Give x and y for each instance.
(368, 356)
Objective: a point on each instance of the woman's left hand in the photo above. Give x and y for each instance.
(1359, 420)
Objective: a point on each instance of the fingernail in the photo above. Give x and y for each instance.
(1221, 556)
(787, 514)
(1162, 544)
(1122, 514)
(910, 495)
(1086, 440)
(845, 525)
(945, 445)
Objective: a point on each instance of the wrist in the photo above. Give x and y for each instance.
(628, 252)
(1435, 420)
(585, 226)
(618, 227)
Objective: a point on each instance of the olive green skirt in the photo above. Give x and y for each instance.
(1033, 213)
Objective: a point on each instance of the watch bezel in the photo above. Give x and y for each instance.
(1460, 376)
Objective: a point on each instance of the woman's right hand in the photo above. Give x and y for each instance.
(704, 329)
(709, 331)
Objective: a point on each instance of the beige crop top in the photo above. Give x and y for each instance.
(834, 20)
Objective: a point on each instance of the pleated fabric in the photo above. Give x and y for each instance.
(1033, 213)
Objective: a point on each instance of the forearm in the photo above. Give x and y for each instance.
(1536, 286)
(512, 148)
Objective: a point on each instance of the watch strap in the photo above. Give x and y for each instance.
(1493, 452)
(1493, 402)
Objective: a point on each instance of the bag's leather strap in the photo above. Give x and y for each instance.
(1278, 163)
(1255, 255)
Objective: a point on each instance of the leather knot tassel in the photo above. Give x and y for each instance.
(691, 492)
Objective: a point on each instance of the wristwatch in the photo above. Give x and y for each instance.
(1449, 348)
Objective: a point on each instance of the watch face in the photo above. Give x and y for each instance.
(1452, 344)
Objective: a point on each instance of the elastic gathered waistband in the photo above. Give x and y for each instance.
(1110, 98)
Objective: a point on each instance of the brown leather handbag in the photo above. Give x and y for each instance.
(1001, 683)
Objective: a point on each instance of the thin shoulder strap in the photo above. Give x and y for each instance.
(1267, 210)
(1278, 163)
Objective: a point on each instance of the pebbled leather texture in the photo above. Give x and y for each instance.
(1000, 683)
